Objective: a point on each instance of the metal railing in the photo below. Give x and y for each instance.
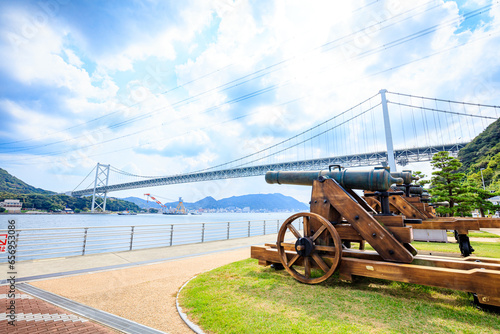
(39, 243)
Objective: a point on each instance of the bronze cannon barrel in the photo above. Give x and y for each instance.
(445, 204)
(406, 175)
(378, 179)
(414, 190)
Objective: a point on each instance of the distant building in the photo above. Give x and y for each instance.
(495, 200)
(12, 205)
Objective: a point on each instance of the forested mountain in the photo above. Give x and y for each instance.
(11, 184)
(481, 158)
(262, 202)
(60, 202)
(35, 198)
(481, 149)
(269, 202)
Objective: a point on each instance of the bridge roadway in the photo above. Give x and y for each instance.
(402, 157)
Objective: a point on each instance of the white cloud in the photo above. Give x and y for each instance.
(38, 60)
(31, 123)
(73, 58)
(216, 43)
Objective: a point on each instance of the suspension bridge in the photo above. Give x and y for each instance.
(387, 129)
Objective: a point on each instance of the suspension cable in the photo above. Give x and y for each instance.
(442, 100)
(85, 177)
(443, 111)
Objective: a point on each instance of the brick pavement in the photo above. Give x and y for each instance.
(37, 316)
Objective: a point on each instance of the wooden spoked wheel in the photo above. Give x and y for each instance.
(321, 248)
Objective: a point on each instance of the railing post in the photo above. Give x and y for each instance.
(171, 233)
(131, 237)
(84, 240)
(249, 228)
(228, 230)
(264, 227)
(203, 232)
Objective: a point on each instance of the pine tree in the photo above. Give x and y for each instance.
(421, 176)
(447, 185)
(479, 198)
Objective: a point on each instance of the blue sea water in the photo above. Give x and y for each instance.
(61, 235)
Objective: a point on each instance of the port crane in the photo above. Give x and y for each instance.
(157, 201)
(179, 210)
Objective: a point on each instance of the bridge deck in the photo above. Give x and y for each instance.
(403, 157)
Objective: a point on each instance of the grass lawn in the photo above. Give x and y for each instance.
(477, 234)
(244, 297)
(481, 249)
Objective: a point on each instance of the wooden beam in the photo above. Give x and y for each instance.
(484, 282)
(368, 227)
(482, 278)
(424, 208)
(386, 220)
(320, 205)
(405, 208)
(461, 225)
(488, 222)
(270, 254)
(361, 201)
(403, 234)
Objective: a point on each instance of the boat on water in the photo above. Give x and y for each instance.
(127, 213)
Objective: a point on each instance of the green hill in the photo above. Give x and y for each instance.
(35, 198)
(481, 158)
(269, 202)
(11, 184)
(482, 149)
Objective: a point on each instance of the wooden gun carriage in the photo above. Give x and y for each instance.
(410, 201)
(338, 216)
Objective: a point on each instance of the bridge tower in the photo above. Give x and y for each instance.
(99, 196)
(388, 132)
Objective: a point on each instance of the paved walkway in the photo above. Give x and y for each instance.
(33, 315)
(140, 286)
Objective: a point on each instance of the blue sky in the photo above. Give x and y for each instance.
(156, 87)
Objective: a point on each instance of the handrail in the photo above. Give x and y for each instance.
(39, 243)
(129, 226)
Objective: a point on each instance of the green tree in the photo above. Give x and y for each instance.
(447, 185)
(478, 198)
(59, 202)
(421, 176)
(490, 173)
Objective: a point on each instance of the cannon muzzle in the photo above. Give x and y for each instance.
(414, 190)
(445, 204)
(378, 179)
(406, 176)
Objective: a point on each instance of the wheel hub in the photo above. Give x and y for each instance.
(304, 246)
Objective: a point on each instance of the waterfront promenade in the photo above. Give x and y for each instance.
(139, 287)
(131, 292)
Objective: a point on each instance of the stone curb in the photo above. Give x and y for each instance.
(183, 316)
